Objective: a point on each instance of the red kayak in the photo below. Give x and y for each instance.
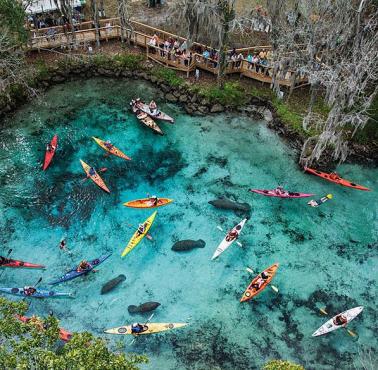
(50, 152)
(280, 193)
(63, 333)
(17, 263)
(334, 177)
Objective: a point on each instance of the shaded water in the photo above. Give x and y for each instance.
(327, 256)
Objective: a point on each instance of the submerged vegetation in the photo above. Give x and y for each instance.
(35, 345)
(281, 365)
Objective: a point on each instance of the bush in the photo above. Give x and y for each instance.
(169, 76)
(129, 61)
(230, 94)
(281, 365)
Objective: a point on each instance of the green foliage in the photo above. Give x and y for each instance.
(34, 345)
(101, 60)
(281, 365)
(169, 76)
(231, 94)
(41, 69)
(132, 62)
(289, 116)
(12, 18)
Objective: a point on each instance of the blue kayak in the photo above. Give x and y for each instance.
(39, 293)
(73, 274)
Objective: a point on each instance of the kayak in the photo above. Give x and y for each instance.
(154, 114)
(73, 273)
(115, 151)
(319, 202)
(250, 292)
(18, 263)
(63, 333)
(226, 243)
(147, 203)
(136, 238)
(95, 178)
(337, 180)
(272, 193)
(150, 328)
(50, 154)
(147, 120)
(40, 293)
(331, 326)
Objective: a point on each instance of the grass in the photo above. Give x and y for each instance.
(169, 76)
(131, 62)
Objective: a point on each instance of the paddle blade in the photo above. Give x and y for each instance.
(351, 333)
(249, 270)
(274, 288)
(219, 228)
(323, 311)
(239, 244)
(149, 237)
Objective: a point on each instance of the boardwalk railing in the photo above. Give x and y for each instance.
(85, 35)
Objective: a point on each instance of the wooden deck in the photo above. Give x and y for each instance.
(59, 38)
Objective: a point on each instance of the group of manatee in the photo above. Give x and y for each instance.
(180, 246)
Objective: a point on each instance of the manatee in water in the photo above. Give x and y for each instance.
(144, 307)
(239, 208)
(111, 284)
(187, 245)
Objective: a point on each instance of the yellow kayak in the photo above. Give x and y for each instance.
(137, 237)
(147, 203)
(150, 328)
(95, 178)
(113, 150)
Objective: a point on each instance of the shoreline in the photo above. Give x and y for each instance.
(183, 94)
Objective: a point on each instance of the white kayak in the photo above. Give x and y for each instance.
(226, 242)
(330, 324)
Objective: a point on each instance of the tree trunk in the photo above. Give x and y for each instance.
(96, 21)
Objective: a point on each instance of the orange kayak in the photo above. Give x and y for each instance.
(333, 177)
(147, 203)
(251, 291)
(95, 178)
(63, 333)
(113, 150)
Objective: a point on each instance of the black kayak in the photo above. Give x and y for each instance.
(73, 274)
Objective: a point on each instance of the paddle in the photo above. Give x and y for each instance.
(39, 280)
(148, 320)
(350, 332)
(8, 254)
(238, 243)
(148, 236)
(274, 288)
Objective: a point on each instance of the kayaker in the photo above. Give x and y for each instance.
(334, 176)
(108, 144)
(50, 148)
(91, 171)
(29, 290)
(141, 229)
(233, 234)
(152, 106)
(83, 266)
(154, 200)
(317, 203)
(137, 328)
(279, 190)
(63, 244)
(260, 281)
(340, 320)
(3, 260)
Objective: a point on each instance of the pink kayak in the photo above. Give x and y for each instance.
(284, 194)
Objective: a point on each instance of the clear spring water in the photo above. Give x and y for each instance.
(327, 256)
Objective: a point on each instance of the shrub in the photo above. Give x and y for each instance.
(281, 365)
(230, 94)
(169, 76)
(129, 61)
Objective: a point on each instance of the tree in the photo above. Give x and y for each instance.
(335, 44)
(34, 345)
(66, 10)
(96, 22)
(124, 13)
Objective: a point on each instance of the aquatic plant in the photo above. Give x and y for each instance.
(34, 345)
(281, 365)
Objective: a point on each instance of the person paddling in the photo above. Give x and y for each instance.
(63, 245)
(141, 229)
(232, 235)
(137, 328)
(29, 290)
(152, 106)
(3, 260)
(260, 281)
(154, 200)
(279, 190)
(91, 172)
(340, 320)
(50, 148)
(108, 144)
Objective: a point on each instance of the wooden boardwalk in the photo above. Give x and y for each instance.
(110, 29)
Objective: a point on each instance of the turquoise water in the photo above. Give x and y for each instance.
(327, 255)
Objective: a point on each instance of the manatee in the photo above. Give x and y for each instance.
(111, 284)
(144, 307)
(239, 208)
(187, 245)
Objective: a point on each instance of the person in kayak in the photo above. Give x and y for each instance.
(50, 148)
(83, 266)
(91, 172)
(152, 106)
(29, 290)
(141, 229)
(260, 281)
(334, 176)
(154, 200)
(317, 203)
(232, 235)
(137, 328)
(108, 144)
(279, 190)
(3, 260)
(63, 245)
(340, 320)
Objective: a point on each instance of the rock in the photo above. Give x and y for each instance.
(203, 109)
(183, 98)
(165, 88)
(188, 109)
(153, 79)
(194, 98)
(144, 307)
(171, 98)
(58, 78)
(187, 245)
(112, 284)
(176, 93)
(205, 101)
(126, 73)
(216, 108)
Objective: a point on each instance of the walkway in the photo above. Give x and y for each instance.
(57, 37)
